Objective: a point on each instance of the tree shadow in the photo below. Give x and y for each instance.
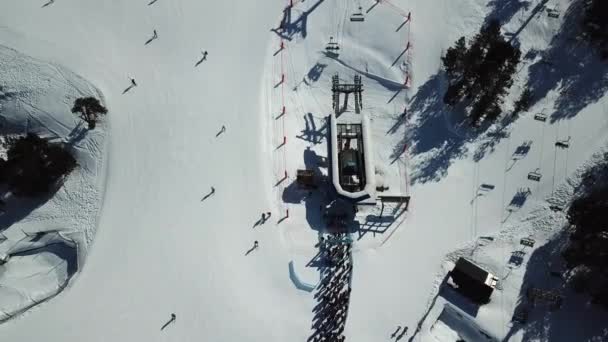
(16, 208)
(537, 10)
(429, 133)
(505, 10)
(78, 133)
(492, 138)
(571, 66)
(576, 320)
(388, 84)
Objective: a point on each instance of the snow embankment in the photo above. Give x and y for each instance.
(45, 240)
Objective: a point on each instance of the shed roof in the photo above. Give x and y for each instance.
(472, 281)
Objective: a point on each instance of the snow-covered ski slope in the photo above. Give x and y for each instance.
(159, 249)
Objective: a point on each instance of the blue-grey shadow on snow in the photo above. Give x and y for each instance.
(384, 82)
(571, 66)
(288, 29)
(505, 10)
(313, 199)
(576, 320)
(297, 282)
(311, 133)
(61, 250)
(428, 133)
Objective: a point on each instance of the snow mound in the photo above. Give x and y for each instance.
(45, 240)
(453, 325)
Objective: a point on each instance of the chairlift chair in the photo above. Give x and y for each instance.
(528, 242)
(358, 16)
(540, 117)
(562, 144)
(555, 208)
(332, 47)
(553, 13)
(535, 175)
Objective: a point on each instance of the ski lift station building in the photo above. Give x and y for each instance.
(473, 281)
(352, 174)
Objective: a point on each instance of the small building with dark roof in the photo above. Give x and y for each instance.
(472, 281)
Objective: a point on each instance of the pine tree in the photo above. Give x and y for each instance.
(483, 73)
(34, 166)
(524, 101)
(595, 22)
(89, 108)
(453, 61)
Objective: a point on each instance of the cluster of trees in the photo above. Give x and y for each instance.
(89, 109)
(587, 251)
(482, 72)
(34, 166)
(524, 102)
(595, 24)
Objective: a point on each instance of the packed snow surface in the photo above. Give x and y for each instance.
(167, 243)
(44, 240)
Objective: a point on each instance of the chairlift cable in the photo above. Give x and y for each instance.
(542, 147)
(568, 150)
(555, 158)
(504, 187)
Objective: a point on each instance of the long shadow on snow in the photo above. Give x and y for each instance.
(17, 208)
(386, 83)
(429, 134)
(311, 133)
(570, 322)
(571, 66)
(288, 29)
(314, 200)
(505, 10)
(62, 250)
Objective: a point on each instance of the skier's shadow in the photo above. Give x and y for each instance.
(200, 61)
(128, 88)
(259, 223)
(150, 40)
(207, 196)
(171, 320)
(402, 334)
